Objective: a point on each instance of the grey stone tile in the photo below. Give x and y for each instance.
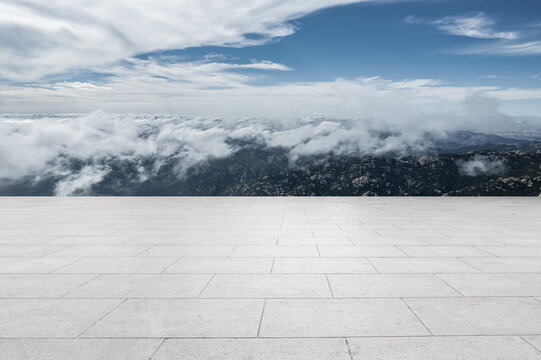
(274, 251)
(221, 266)
(99, 250)
(104, 265)
(361, 251)
(240, 240)
(88, 240)
(459, 241)
(322, 265)
(365, 241)
(143, 286)
(339, 317)
(421, 265)
(267, 286)
(311, 240)
(444, 251)
(253, 349)
(495, 284)
(479, 315)
(28, 250)
(163, 240)
(181, 318)
(39, 285)
(190, 251)
(443, 348)
(505, 265)
(389, 285)
(33, 264)
(513, 251)
(50, 318)
(79, 349)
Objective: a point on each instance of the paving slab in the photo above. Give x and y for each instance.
(31, 265)
(79, 349)
(50, 318)
(127, 286)
(99, 250)
(267, 286)
(339, 317)
(445, 251)
(513, 251)
(189, 251)
(28, 250)
(221, 265)
(479, 315)
(505, 265)
(322, 265)
(443, 348)
(40, 285)
(495, 284)
(111, 265)
(181, 318)
(361, 251)
(421, 265)
(389, 285)
(274, 251)
(253, 349)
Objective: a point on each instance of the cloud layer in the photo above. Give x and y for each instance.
(40, 38)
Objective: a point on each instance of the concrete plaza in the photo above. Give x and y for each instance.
(270, 278)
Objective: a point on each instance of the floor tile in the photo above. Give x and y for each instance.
(444, 251)
(389, 285)
(181, 318)
(339, 317)
(28, 250)
(311, 240)
(360, 251)
(29, 265)
(79, 349)
(505, 265)
(104, 265)
(189, 251)
(39, 285)
(443, 348)
(143, 286)
(221, 266)
(322, 265)
(51, 318)
(479, 315)
(513, 251)
(275, 251)
(99, 250)
(253, 349)
(421, 265)
(267, 286)
(495, 284)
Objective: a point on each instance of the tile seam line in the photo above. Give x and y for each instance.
(261, 318)
(157, 349)
(103, 317)
(417, 316)
(529, 343)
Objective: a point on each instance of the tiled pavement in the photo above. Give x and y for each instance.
(270, 278)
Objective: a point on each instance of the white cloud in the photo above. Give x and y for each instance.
(506, 48)
(39, 38)
(478, 25)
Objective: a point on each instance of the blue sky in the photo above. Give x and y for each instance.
(251, 57)
(373, 39)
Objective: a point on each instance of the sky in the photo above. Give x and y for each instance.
(271, 58)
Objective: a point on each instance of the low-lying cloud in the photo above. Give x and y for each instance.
(481, 165)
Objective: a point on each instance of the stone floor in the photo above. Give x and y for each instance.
(270, 278)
